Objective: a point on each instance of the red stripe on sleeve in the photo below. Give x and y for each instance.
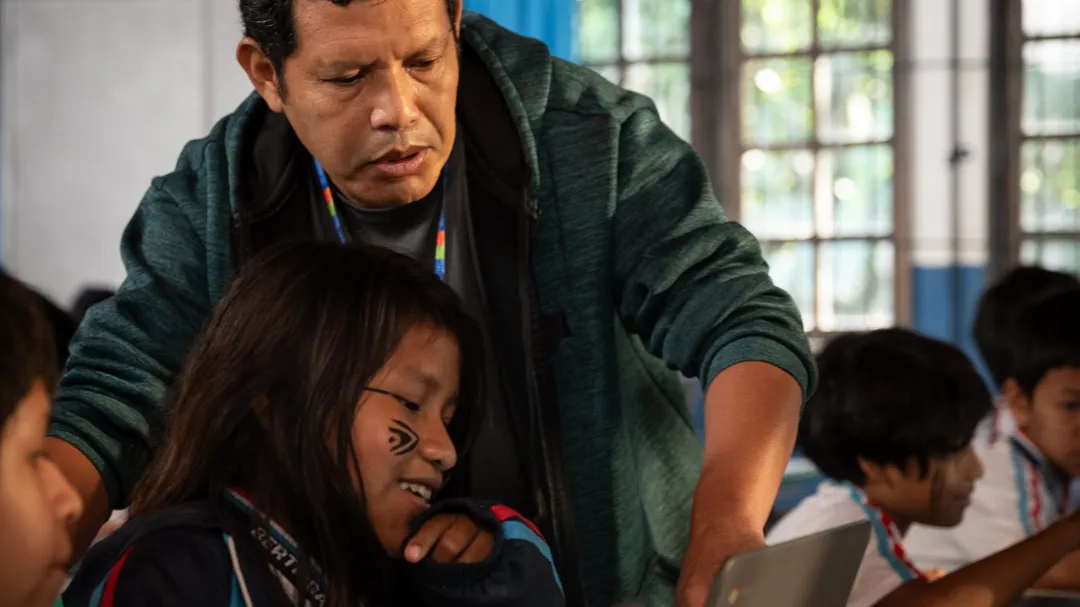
(109, 595)
(504, 513)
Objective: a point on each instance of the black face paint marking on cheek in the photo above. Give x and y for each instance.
(937, 489)
(403, 439)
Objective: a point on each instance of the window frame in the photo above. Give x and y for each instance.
(1007, 39)
(717, 134)
(622, 64)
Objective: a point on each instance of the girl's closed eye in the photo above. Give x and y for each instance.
(448, 413)
(411, 405)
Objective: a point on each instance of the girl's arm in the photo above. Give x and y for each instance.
(519, 572)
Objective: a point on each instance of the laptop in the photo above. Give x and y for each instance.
(813, 571)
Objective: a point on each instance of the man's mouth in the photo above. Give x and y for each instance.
(401, 163)
(397, 155)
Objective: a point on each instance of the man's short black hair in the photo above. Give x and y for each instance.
(1047, 337)
(27, 352)
(270, 24)
(889, 396)
(999, 307)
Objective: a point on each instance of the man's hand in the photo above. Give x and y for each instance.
(708, 550)
(451, 538)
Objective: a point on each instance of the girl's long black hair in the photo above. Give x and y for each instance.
(269, 394)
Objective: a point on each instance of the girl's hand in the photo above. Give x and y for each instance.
(451, 538)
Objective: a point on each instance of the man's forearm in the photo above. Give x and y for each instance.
(751, 420)
(82, 474)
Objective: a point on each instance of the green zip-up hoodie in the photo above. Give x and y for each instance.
(631, 247)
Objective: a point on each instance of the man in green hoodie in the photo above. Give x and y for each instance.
(581, 231)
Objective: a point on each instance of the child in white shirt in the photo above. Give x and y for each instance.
(994, 332)
(1030, 468)
(891, 424)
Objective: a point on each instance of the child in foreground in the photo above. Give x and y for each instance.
(310, 446)
(36, 502)
(891, 426)
(1030, 467)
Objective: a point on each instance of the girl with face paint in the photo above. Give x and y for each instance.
(317, 429)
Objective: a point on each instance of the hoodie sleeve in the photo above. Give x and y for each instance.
(130, 347)
(519, 573)
(690, 283)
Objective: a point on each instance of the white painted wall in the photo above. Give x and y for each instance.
(930, 98)
(98, 97)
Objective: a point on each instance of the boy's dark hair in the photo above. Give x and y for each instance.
(889, 396)
(1047, 337)
(61, 325)
(999, 306)
(26, 346)
(268, 398)
(271, 25)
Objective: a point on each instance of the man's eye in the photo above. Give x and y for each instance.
(353, 79)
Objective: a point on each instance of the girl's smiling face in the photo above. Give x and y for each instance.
(400, 432)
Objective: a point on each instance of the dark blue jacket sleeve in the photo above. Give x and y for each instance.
(519, 573)
(168, 568)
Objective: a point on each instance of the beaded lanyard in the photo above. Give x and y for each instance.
(440, 238)
(1031, 476)
(889, 543)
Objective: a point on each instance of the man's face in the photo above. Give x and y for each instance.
(1051, 416)
(371, 92)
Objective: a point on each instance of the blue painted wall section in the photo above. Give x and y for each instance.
(934, 291)
(552, 21)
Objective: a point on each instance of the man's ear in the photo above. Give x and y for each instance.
(1019, 403)
(260, 71)
(457, 16)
